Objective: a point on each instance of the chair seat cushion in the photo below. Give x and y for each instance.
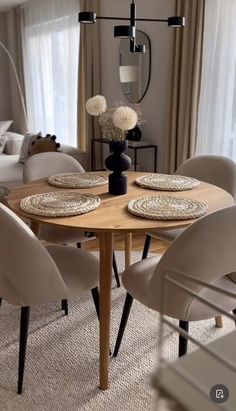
(136, 278)
(200, 311)
(166, 235)
(61, 235)
(79, 268)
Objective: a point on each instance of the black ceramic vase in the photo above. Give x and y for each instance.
(134, 134)
(117, 162)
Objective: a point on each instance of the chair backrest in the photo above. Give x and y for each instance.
(205, 250)
(217, 170)
(28, 274)
(45, 164)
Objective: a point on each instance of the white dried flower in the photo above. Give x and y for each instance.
(115, 121)
(96, 105)
(124, 118)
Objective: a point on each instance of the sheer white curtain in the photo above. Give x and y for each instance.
(51, 53)
(217, 105)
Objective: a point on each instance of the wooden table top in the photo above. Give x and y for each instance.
(112, 215)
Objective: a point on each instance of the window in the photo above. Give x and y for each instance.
(51, 53)
(217, 106)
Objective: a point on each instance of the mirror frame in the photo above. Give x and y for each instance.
(150, 67)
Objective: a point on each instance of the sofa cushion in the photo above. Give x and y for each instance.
(26, 145)
(3, 140)
(10, 169)
(14, 142)
(4, 126)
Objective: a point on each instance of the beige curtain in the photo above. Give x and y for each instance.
(14, 19)
(89, 80)
(185, 79)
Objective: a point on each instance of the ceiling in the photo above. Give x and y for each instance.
(7, 4)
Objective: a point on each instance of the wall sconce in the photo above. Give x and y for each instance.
(128, 31)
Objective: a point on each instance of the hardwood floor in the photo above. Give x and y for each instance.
(157, 246)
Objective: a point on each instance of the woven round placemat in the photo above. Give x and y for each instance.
(167, 207)
(60, 203)
(167, 182)
(77, 180)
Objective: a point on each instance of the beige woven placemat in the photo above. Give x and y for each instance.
(60, 203)
(77, 180)
(167, 182)
(167, 207)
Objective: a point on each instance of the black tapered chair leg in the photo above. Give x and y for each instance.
(95, 295)
(64, 303)
(115, 269)
(24, 325)
(183, 342)
(125, 315)
(0, 301)
(64, 306)
(146, 247)
(234, 312)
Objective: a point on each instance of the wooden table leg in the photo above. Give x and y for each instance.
(128, 249)
(106, 249)
(34, 227)
(219, 321)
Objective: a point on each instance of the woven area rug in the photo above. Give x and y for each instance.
(62, 357)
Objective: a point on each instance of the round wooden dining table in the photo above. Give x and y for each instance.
(109, 218)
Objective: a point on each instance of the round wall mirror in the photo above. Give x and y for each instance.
(135, 68)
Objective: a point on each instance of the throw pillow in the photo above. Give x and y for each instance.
(43, 145)
(26, 145)
(4, 126)
(3, 141)
(14, 142)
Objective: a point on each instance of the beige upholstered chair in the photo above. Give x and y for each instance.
(200, 251)
(41, 166)
(31, 274)
(217, 170)
(46, 164)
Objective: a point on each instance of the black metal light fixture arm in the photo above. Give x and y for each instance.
(88, 17)
(128, 19)
(112, 18)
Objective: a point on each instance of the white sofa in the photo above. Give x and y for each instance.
(11, 171)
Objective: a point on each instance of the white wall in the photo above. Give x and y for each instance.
(154, 103)
(5, 96)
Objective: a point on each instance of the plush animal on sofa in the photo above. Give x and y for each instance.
(44, 144)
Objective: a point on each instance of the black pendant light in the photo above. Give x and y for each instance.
(128, 31)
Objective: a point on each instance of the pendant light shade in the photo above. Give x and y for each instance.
(124, 32)
(176, 21)
(87, 17)
(137, 48)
